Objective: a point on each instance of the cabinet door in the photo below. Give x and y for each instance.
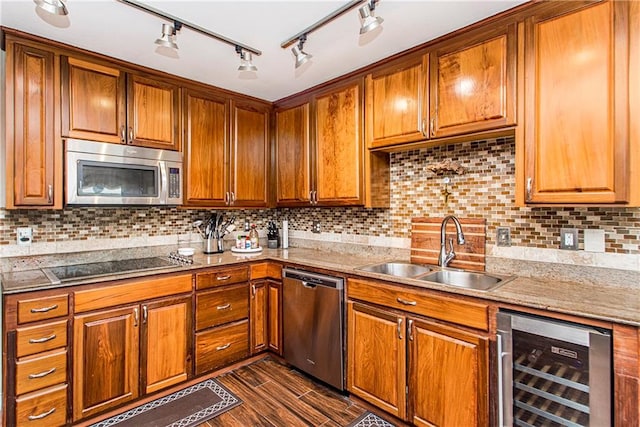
(34, 155)
(249, 154)
(166, 343)
(152, 113)
(274, 317)
(396, 103)
(376, 351)
(258, 315)
(448, 376)
(105, 360)
(473, 83)
(576, 95)
(293, 176)
(338, 147)
(206, 150)
(93, 101)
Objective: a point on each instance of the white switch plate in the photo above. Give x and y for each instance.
(569, 238)
(594, 240)
(24, 235)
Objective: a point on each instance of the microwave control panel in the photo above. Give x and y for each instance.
(174, 183)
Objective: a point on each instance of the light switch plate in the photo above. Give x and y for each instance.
(503, 236)
(569, 238)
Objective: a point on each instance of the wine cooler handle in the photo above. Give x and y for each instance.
(505, 393)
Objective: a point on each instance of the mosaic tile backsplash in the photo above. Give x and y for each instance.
(486, 190)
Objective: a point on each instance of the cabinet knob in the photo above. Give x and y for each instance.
(123, 134)
(135, 317)
(223, 347)
(130, 135)
(42, 374)
(50, 193)
(529, 188)
(432, 126)
(410, 328)
(400, 328)
(223, 307)
(423, 128)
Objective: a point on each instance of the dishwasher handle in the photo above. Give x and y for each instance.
(309, 285)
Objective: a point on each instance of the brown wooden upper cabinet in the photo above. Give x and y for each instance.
(226, 151)
(338, 149)
(473, 82)
(573, 145)
(464, 85)
(104, 103)
(293, 156)
(397, 103)
(206, 148)
(320, 154)
(33, 148)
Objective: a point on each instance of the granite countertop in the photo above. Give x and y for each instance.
(609, 303)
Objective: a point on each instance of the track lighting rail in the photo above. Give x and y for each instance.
(192, 26)
(319, 23)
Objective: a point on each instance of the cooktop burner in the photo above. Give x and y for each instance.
(83, 271)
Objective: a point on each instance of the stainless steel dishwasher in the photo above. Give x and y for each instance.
(313, 330)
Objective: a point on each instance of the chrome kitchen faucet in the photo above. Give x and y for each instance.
(446, 257)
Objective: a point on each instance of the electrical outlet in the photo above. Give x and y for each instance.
(503, 236)
(24, 235)
(569, 239)
(316, 227)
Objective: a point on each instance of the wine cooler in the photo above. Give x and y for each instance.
(552, 373)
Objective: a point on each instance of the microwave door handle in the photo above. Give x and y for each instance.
(163, 182)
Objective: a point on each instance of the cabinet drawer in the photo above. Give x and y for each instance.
(221, 346)
(32, 310)
(222, 277)
(41, 371)
(466, 313)
(35, 339)
(222, 306)
(45, 407)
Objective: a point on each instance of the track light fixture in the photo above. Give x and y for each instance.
(168, 32)
(369, 22)
(168, 37)
(245, 60)
(56, 7)
(301, 56)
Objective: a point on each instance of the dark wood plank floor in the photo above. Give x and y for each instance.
(276, 395)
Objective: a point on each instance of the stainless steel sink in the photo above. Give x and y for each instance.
(465, 279)
(398, 269)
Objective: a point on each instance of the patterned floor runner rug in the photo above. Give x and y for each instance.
(185, 408)
(369, 419)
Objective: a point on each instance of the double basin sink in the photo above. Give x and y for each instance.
(451, 277)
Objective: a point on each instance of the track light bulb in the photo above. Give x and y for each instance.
(301, 56)
(369, 22)
(167, 39)
(56, 7)
(245, 62)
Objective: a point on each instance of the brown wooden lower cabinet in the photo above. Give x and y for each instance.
(221, 346)
(420, 371)
(111, 345)
(47, 407)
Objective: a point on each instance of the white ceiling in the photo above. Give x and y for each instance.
(121, 31)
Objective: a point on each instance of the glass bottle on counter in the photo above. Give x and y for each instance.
(253, 236)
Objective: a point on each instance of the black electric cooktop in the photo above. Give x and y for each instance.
(82, 271)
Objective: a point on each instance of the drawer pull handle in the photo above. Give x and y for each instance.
(41, 340)
(227, 277)
(405, 302)
(223, 347)
(42, 374)
(223, 307)
(44, 309)
(43, 415)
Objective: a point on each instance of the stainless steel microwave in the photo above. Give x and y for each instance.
(100, 173)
